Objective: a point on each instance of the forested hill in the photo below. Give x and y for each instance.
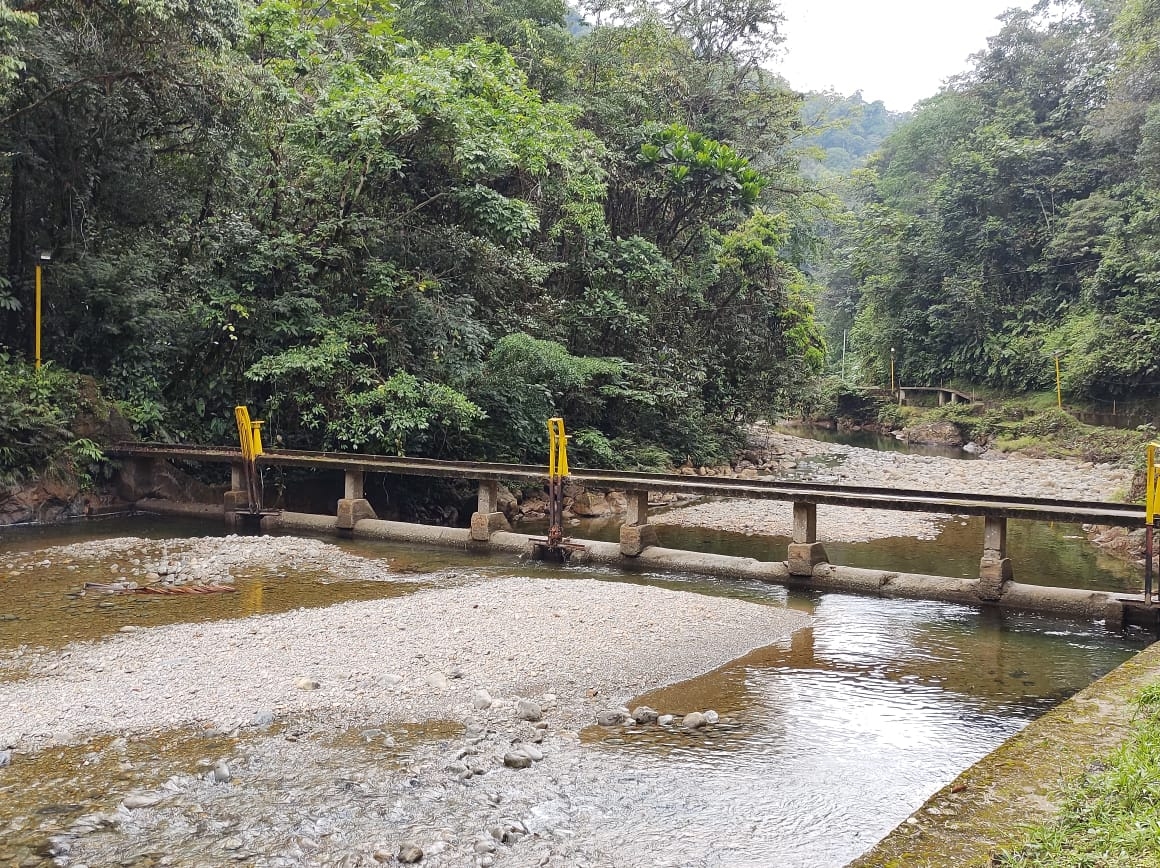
(1017, 215)
(415, 227)
(842, 132)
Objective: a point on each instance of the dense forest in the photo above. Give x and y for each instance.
(425, 227)
(414, 227)
(1016, 215)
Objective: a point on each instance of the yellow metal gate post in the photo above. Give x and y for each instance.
(1151, 507)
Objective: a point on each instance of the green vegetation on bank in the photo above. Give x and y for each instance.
(1014, 216)
(1110, 817)
(412, 227)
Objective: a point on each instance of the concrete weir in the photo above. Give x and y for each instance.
(805, 566)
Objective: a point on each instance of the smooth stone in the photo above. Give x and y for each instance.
(665, 720)
(517, 760)
(438, 681)
(533, 752)
(262, 718)
(141, 800)
(307, 684)
(5, 757)
(610, 717)
(485, 845)
(529, 710)
(644, 714)
(693, 720)
(391, 680)
(221, 772)
(481, 699)
(234, 843)
(711, 717)
(410, 853)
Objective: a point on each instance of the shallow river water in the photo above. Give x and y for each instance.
(825, 744)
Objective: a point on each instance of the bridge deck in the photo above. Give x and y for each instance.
(910, 500)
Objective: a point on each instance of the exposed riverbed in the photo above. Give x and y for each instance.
(364, 763)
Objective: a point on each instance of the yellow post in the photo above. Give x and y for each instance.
(36, 353)
(892, 369)
(1058, 389)
(256, 429)
(245, 432)
(1152, 491)
(557, 448)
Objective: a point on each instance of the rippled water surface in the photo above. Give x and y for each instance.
(824, 745)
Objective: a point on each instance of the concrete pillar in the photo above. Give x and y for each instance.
(901, 396)
(636, 534)
(353, 485)
(995, 566)
(354, 506)
(487, 519)
(805, 552)
(237, 478)
(942, 398)
(805, 522)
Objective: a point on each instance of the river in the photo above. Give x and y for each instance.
(825, 744)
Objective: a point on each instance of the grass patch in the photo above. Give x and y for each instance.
(1111, 816)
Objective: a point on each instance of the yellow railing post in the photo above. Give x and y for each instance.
(1151, 507)
(250, 439)
(557, 470)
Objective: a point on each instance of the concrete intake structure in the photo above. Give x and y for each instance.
(806, 560)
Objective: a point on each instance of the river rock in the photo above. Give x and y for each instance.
(644, 714)
(529, 710)
(694, 720)
(262, 718)
(410, 853)
(611, 717)
(711, 717)
(517, 760)
(5, 757)
(665, 720)
(221, 772)
(307, 684)
(438, 681)
(940, 433)
(485, 845)
(481, 699)
(133, 801)
(533, 752)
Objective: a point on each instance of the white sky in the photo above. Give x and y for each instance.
(898, 51)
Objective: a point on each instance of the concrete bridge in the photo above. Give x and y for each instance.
(806, 556)
(946, 395)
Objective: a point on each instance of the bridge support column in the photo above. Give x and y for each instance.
(995, 567)
(236, 498)
(805, 552)
(487, 519)
(942, 398)
(636, 534)
(353, 507)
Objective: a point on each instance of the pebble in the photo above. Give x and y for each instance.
(533, 752)
(221, 772)
(307, 684)
(644, 714)
(711, 717)
(694, 720)
(5, 757)
(438, 681)
(410, 853)
(611, 717)
(529, 710)
(481, 699)
(133, 801)
(517, 760)
(262, 718)
(665, 720)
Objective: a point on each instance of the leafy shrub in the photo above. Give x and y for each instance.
(37, 410)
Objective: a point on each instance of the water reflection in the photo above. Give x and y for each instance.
(826, 743)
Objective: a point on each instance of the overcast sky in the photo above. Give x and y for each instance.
(898, 51)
